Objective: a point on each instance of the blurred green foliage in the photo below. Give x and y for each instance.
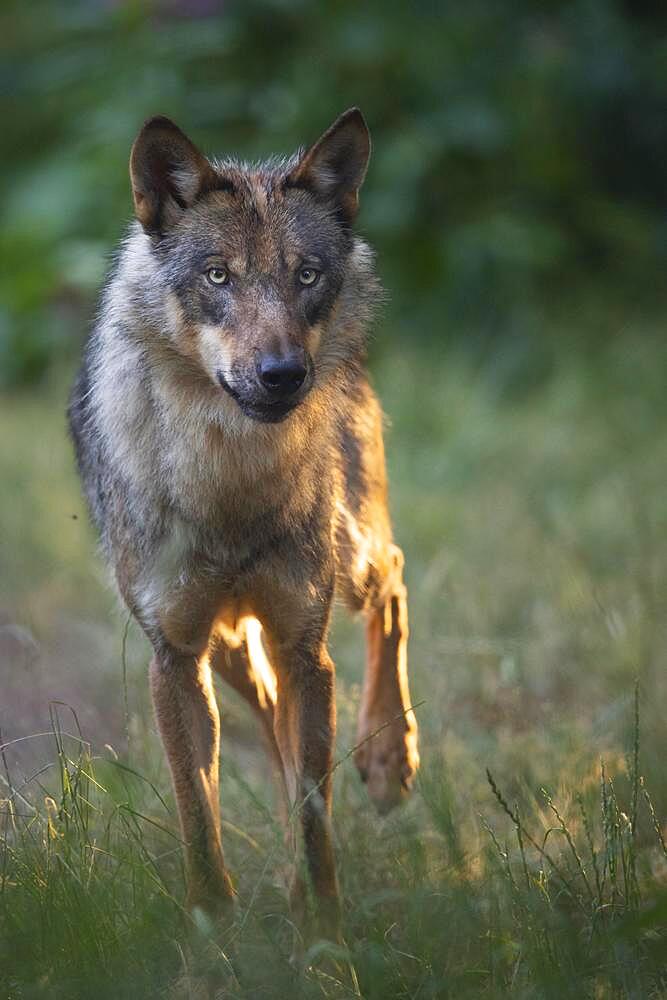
(519, 147)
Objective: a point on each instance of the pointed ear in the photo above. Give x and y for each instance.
(335, 167)
(168, 174)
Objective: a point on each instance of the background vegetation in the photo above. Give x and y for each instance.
(517, 201)
(519, 147)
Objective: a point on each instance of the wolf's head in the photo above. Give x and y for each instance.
(261, 283)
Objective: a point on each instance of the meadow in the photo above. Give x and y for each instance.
(531, 860)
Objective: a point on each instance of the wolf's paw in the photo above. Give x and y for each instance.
(211, 899)
(388, 761)
(208, 955)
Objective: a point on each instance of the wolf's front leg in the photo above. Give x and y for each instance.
(305, 723)
(387, 755)
(189, 724)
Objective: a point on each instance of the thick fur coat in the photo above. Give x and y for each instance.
(230, 448)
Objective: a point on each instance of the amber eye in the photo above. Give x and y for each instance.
(308, 275)
(218, 275)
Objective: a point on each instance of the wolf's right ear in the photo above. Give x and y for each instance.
(168, 174)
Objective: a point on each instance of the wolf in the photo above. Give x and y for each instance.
(230, 448)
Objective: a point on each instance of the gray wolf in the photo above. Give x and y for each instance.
(230, 448)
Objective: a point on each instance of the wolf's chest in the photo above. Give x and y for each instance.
(189, 568)
(214, 480)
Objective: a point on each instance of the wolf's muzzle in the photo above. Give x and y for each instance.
(279, 385)
(281, 376)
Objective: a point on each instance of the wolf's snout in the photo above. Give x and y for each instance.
(281, 376)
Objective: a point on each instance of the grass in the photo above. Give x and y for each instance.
(533, 519)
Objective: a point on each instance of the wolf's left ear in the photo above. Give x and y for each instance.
(168, 174)
(335, 167)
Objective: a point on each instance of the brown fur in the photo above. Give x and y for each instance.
(220, 509)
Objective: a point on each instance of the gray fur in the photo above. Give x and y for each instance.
(221, 502)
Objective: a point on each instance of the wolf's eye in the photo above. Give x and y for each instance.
(218, 275)
(308, 275)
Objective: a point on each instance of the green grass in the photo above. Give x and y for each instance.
(533, 521)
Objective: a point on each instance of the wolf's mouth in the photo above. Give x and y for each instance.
(268, 412)
(227, 387)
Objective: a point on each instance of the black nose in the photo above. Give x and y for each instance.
(281, 376)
